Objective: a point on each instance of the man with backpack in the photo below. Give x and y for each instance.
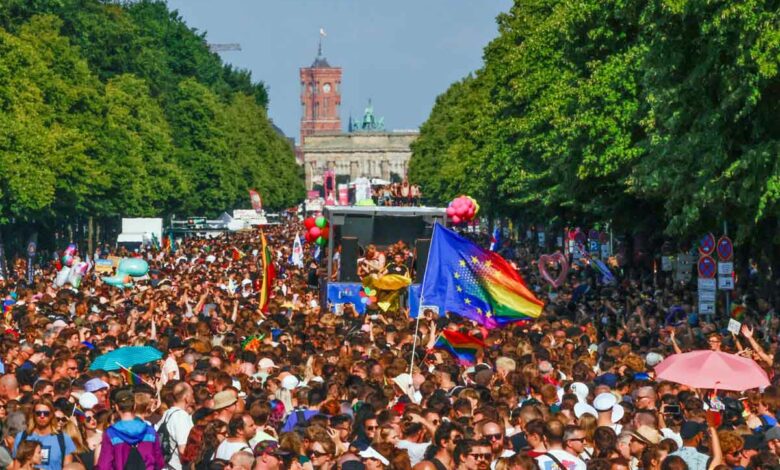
(130, 443)
(175, 425)
(56, 447)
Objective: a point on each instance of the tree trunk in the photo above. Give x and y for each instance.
(90, 235)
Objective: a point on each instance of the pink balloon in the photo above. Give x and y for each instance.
(456, 219)
(450, 211)
(315, 232)
(471, 212)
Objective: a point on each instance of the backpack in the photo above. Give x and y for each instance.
(134, 460)
(168, 448)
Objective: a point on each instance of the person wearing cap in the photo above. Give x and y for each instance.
(692, 434)
(99, 388)
(225, 405)
(170, 367)
(372, 459)
(772, 440)
(609, 411)
(642, 437)
(128, 437)
(269, 456)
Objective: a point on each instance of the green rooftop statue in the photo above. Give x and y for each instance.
(369, 123)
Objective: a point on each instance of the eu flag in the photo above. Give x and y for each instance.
(470, 281)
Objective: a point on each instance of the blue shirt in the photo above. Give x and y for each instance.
(695, 459)
(51, 455)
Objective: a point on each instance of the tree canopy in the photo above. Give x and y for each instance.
(121, 110)
(657, 114)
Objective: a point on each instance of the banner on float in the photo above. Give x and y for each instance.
(340, 293)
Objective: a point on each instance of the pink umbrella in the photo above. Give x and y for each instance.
(712, 369)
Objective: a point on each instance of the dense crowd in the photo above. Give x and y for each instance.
(302, 387)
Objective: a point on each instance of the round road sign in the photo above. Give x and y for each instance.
(725, 248)
(707, 267)
(707, 244)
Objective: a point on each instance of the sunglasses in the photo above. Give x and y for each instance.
(89, 418)
(493, 437)
(314, 454)
(42, 412)
(62, 419)
(482, 456)
(371, 428)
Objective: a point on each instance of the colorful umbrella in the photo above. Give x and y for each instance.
(712, 369)
(125, 358)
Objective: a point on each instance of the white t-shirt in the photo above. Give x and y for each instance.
(416, 450)
(568, 460)
(169, 367)
(179, 424)
(227, 449)
(504, 453)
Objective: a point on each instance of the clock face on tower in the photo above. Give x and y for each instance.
(326, 88)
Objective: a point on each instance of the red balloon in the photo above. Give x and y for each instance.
(451, 211)
(324, 232)
(308, 237)
(309, 222)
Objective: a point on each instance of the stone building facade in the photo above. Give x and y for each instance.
(356, 154)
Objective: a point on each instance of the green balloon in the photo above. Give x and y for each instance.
(321, 241)
(320, 222)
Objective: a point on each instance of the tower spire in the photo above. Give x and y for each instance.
(319, 47)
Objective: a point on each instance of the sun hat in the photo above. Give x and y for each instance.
(371, 453)
(88, 400)
(647, 434)
(223, 399)
(93, 385)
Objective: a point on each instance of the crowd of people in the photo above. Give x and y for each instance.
(300, 386)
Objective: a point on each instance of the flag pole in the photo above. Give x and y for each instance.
(422, 299)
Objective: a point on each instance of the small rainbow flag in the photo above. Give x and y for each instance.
(462, 346)
(131, 378)
(738, 312)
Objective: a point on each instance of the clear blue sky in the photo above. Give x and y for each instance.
(400, 53)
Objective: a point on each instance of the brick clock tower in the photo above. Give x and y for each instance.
(320, 97)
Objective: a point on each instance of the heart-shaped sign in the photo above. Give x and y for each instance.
(556, 259)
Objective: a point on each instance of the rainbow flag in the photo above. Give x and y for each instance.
(269, 273)
(131, 378)
(738, 312)
(468, 280)
(462, 346)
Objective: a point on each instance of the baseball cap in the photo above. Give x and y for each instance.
(88, 400)
(653, 359)
(690, 429)
(270, 447)
(266, 363)
(772, 434)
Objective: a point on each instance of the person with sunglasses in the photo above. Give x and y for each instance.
(57, 448)
(473, 455)
(494, 433)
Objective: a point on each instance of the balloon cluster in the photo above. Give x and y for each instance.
(127, 270)
(72, 270)
(317, 230)
(368, 296)
(462, 209)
